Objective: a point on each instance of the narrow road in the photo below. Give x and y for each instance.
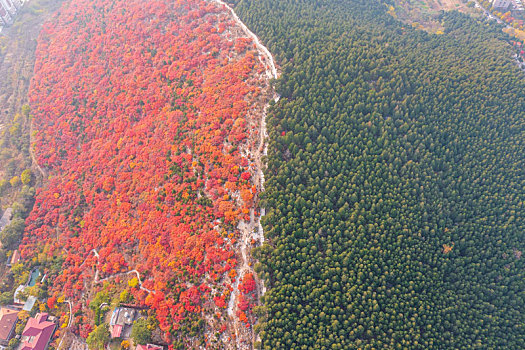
(490, 15)
(68, 323)
(507, 26)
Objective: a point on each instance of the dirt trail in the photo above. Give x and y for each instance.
(33, 156)
(96, 279)
(268, 58)
(253, 229)
(79, 342)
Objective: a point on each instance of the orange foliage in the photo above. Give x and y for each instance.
(447, 248)
(140, 107)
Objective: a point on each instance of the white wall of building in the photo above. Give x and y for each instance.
(9, 6)
(8, 10)
(501, 3)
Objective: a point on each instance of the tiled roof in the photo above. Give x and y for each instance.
(8, 318)
(37, 333)
(149, 347)
(116, 330)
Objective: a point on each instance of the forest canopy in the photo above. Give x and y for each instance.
(394, 194)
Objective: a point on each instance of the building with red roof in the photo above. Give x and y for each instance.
(38, 333)
(8, 319)
(121, 322)
(116, 331)
(148, 347)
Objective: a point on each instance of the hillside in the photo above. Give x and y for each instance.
(18, 175)
(364, 190)
(148, 120)
(17, 58)
(394, 192)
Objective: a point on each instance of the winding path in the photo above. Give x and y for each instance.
(248, 229)
(123, 274)
(32, 152)
(262, 49)
(68, 323)
(96, 280)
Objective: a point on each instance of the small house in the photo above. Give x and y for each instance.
(8, 319)
(38, 333)
(121, 322)
(149, 347)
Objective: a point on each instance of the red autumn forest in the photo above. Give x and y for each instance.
(141, 112)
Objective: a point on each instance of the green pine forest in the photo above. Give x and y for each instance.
(395, 184)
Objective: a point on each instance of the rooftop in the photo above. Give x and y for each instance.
(123, 316)
(116, 331)
(37, 333)
(30, 302)
(8, 318)
(121, 321)
(149, 347)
